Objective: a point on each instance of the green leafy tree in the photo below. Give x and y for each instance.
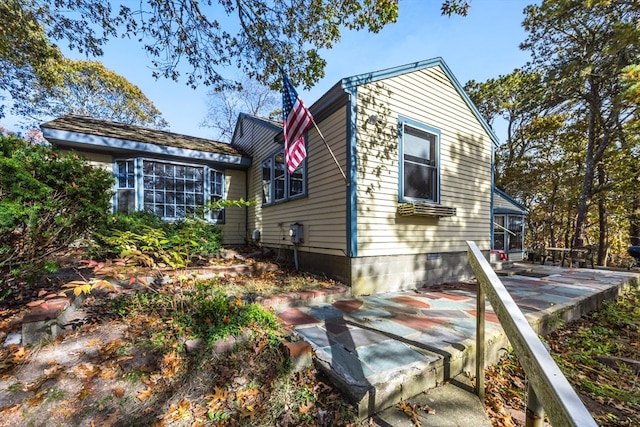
(88, 88)
(581, 48)
(254, 35)
(47, 201)
(26, 55)
(515, 98)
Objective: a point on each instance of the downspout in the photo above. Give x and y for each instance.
(493, 168)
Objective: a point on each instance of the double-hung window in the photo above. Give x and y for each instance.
(419, 153)
(125, 197)
(277, 184)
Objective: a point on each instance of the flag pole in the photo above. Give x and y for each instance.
(330, 151)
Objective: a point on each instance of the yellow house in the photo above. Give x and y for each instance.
(418, 165)
(418, 160)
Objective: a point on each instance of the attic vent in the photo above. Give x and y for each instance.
(425, 209)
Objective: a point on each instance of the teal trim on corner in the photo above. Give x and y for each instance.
(354, 81)
(137, 166)
(352, 168)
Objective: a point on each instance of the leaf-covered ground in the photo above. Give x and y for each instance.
(126, 361)
(600, 356)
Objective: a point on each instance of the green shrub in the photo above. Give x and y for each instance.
(205, 312)
(145, 235)
(47, 201)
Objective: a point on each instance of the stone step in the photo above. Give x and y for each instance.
(452, 404)
(372, 388)
(388, 348)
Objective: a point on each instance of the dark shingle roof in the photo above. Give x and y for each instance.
(109, 129)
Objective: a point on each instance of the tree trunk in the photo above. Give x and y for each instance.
(589, 165)
(634, 216)
(603, 240)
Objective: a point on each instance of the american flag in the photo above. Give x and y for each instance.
(297, 119)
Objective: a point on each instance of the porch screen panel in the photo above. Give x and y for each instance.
(516, 223)
(499, 235)
(172, 191)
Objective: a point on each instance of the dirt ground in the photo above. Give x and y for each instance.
(104, 370)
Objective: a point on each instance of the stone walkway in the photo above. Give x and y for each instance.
(385, 348)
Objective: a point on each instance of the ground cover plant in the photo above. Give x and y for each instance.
(600, 356)
(151, 356)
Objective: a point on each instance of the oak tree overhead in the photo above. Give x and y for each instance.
(194, 38)
(582, 48)
(223, 107)
(88, 88)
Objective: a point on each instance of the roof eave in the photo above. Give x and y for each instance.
(78, 140)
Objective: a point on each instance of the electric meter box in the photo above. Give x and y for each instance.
(296, 232)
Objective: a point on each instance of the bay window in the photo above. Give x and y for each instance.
(167, 189)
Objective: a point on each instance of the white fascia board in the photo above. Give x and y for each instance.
(102, 142)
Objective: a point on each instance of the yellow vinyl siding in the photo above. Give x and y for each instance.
(323, 211)
(98, 160)
(429, 98)
(501, 202)
(233, 228)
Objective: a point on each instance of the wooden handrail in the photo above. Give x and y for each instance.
(560, 401)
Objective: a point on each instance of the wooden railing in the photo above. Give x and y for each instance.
(548, 385)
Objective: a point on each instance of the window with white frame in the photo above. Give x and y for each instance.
(277, 184)
(125, 197)
(217, 194)
(169, 190)
(172, 190)
(419, 150)
(508, 231)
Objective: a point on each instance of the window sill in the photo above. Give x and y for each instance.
(424, 209)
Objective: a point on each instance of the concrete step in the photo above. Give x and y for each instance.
(387, 348)
(397, 368)
(452, 404)
(501, 265)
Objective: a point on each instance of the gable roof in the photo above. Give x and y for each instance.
(262, 121)
(515, 208)
(349, 84)
(73, 131)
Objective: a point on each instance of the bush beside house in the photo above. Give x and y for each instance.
(47, 201)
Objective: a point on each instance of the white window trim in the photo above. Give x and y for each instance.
(139, 182)
(406, 122)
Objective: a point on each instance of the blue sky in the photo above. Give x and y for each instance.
(482, 45)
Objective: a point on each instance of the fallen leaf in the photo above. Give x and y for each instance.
(306, 408)
(144, 394)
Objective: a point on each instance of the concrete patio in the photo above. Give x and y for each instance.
(386, 348)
